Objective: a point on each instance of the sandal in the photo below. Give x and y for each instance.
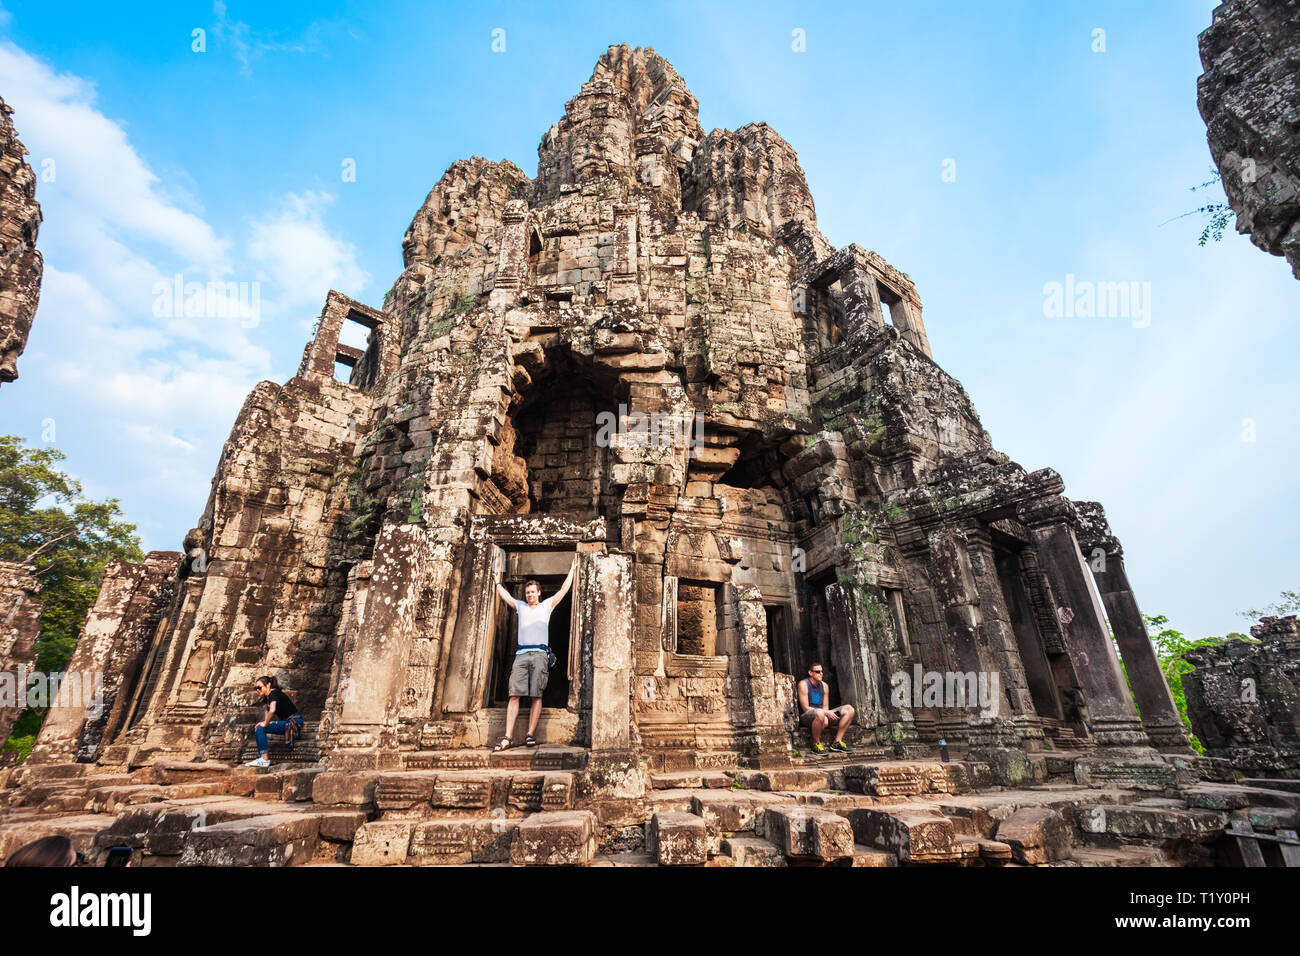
(530, 741)
(504, 745)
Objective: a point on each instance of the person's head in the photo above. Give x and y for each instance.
(264, 685)
(815, 671)
(532, 592)
(47, 851)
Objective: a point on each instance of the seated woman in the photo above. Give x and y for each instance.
(282, 717)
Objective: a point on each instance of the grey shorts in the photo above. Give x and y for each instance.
(528, 674)
(810, 714)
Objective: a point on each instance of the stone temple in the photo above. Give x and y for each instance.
(648, 356)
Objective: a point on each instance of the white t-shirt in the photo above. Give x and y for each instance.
(534, 623)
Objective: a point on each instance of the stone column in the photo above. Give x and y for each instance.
(610, 579)
(623, 277)
(958, 594)
(751, 662)
(613, 776)
(512, 259)
(1013, 684)
(862, 314)
(867, 653)
(1112, 717)
(382, 644)
(1155, 703)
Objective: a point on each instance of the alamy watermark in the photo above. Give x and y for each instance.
(29, 688)
(176, 298)
(951, 689)
(658, 429)
(1084, 299)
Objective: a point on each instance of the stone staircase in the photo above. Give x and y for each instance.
(530, 807)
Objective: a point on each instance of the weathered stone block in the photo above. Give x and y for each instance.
(350, 787)
(913, 836)
(1036, 835)
(381, 843)
(678, 839)
(752, 851)
(565, 838)
(731, 811)
(804, 832)
(1151, 823)
(281, 839)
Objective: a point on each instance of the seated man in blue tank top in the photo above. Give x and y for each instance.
(814, 714)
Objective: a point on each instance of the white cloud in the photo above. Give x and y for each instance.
(95, 167)
(299, 257)
(143, 396)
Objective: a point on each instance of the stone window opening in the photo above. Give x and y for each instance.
(356, 356)
(891, 307)
(824, 318)
(534, 254)
(343, 369)
(780, 639)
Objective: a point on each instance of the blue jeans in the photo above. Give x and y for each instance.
(274, 727)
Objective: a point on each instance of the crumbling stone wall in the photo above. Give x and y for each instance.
(20, 261)
(20, 626)
(1244, 698)
(1249, 96)
(113, 645)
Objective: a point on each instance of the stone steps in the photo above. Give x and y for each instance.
(1113, 856)
(474, 808)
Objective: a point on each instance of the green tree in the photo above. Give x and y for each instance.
(47, 522)
(1288, 603)
(1170, 647)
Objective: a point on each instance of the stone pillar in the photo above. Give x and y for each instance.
(324, 349)
(512, 260)
(955, 587)
(610, 579)
(867, 653)
(751, 662)
(862, 314)
(1013, 685)
(623, 276)
(1112, 718)
(1155, 703)
(382, 645)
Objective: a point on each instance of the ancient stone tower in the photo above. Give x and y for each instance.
(20, 262)
(647, 355)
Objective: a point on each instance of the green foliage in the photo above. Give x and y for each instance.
(442, 325)
(1170, 646)
(1218, 215)
(22, 744)
(47, 522)
(1288, 603)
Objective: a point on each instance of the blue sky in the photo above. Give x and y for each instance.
(226, 164)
